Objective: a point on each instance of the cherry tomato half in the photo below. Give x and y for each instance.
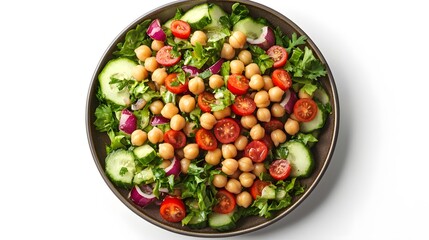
(256, 150)
(204, 101)
(238, 84)
(280, 169)
(225, 202)
(272, 125)
(243, 106)
(257, 187)
(305, 109)
(205, 139)
(173, 85)
(278, 54)
(172, 209)
(180, 29)
(226, 130)
(165, 58)
(176, 138)
(281, 79)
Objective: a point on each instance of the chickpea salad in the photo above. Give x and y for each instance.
(211, 116)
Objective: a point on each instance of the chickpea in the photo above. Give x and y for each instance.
(184, 165)
(177, 122)
(190, 129)
(258, 168)
(241, 143)
(155, 135)
(159, 76)
(291, 126)
(237, 39)
(196, 85)
(216, 81)
(303, 94)
(139, 73)
(191, 151)
(277, 110)
(213, 157)
(257, 132)
(245, 164)
(156, 107)
(229, 151)
(263, 114)
(187, 103)
(248, 121)
(227, 51)
(229, 166)
(143, 52)
(207, 120)
(237, 66)
(219, 180)
(245, 56)
(222, 113)
(156, 45)
(169, 110)
(165, 163)
(199, 37)
(246, 179)
(278, 136)
(268, 82)
(244, 199)
(151, 64)
(276, 94)
(256, 82)
(138, 137)
(233, 186)
(251, 70)
(262, 99)
(166, 150)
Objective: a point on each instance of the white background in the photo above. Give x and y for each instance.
(375, 188)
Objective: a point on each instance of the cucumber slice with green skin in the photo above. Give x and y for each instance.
(198, 222)
(144, 176)
(300, 159)
(222, 222)
(321, 96)
(317, 123)
(120, 168)
(215, 13)
(144, 154)
(249, 27)
(268, 192)
(198, 17)
(123, 67)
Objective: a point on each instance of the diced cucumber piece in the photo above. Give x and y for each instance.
(317, 123)
(120, 168)
(144, 154)
(300, 159)
(144, 176)
(249, 27)
(198, 17)
(122, 67)
(222, 222)
(268, 192)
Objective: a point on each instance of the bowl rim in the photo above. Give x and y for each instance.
(335, 115)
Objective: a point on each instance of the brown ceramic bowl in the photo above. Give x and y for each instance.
(322, 151)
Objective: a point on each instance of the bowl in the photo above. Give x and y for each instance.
(322, 151)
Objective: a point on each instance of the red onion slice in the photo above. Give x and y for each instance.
(174, 168)
(193, 71)
(155, 31)
(265, 40)
(127, 122)
(158, 120)
(140, 198)
(215, 68)
(289, 101)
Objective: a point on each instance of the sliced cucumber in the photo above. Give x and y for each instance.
(198, 221)
(321, 96)
(300, 159)
(145, 154)
(144, 176)
(268, 192)
(168, 23)
(120, 168)
(317, 123)
(215, 13)
(122, 67)
(198, 17)
(249, 27)
(222, 222)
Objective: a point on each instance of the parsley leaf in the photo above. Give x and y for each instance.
(261, 58)
(123, 171)
(105, 119)
(239, 12)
